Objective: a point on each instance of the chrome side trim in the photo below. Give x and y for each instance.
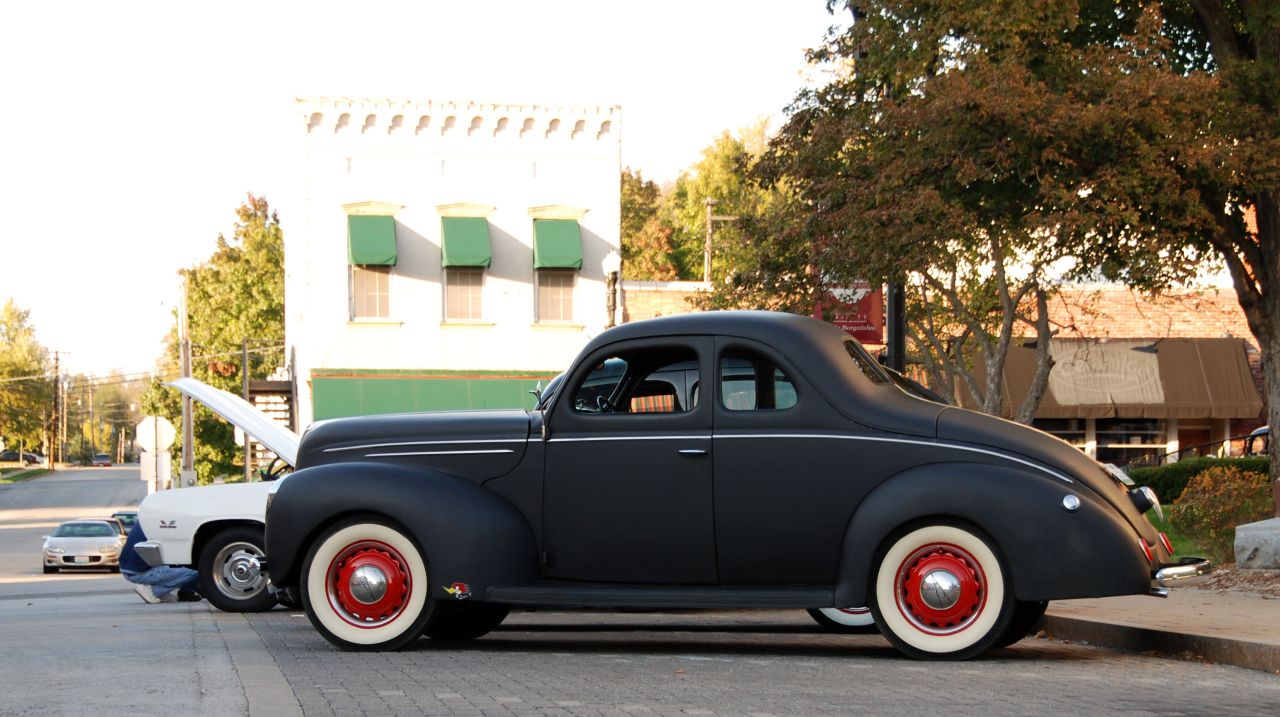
(629, 438)
(422, 443)
(437, 453)
(909, 441)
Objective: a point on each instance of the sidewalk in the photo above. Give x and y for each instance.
(1224, 627)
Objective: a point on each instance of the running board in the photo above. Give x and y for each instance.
(664, 596)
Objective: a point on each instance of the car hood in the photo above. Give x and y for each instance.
(81, 543)
(243, 415)
(477, 444)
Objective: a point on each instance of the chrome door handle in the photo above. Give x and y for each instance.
(692, 452)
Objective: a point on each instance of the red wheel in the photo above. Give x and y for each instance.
(940, 593)
(365, 587)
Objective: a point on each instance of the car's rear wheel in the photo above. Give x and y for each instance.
(939, 592)
(230, 571)
(364, 586)
(465, 620)
(846, 620)
(1026, 617)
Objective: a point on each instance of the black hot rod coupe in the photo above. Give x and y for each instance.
(722, 459)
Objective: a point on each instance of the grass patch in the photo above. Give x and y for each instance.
(21, 475)
(1183, 544)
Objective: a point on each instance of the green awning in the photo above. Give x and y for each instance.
(371, 241)
(557, 244)
(465, 241)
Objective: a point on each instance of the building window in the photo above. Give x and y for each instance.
(462, 292)
(370, 292)
(555, 295)
(1124, 440)
(1071, 430)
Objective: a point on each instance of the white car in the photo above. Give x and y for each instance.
(217, 529)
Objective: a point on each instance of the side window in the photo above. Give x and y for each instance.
(751, 382)
(651, 380)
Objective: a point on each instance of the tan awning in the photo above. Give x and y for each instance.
(1168, 378)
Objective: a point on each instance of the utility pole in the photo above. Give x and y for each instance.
(188, 434)
(54, 445)
(706, 250)
(244, 383)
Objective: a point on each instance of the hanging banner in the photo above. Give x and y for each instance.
(859, 311)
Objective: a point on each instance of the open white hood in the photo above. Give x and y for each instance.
(242, 414)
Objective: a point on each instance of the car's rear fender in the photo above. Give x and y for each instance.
(1051, 553)
(468, 534)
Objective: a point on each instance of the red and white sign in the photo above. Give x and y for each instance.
(859, 310)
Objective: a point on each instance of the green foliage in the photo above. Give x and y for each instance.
(1169, 480)
(1216, 501)
(985, 151)
(237, 294)
(648, 251)
(26, 390)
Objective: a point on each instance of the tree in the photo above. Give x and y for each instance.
(647, 248)
(26, 388)
(237, 294)
(986, 151)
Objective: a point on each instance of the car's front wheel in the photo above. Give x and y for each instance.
(230, 569)
(940, 592)
(49, 569)
(364, 586)
(845, 620)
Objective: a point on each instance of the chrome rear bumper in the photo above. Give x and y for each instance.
(1180, 572)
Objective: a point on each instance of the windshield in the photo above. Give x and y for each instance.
(84, 530)
(552, 386)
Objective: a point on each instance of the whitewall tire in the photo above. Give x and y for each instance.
(847, 620)
(941, 592)
(364, 586)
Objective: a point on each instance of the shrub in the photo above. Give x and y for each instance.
(1216, 501)
(1168, 481)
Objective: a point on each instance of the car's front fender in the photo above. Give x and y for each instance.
(468, 534)
(1051, 553)
(172, 518)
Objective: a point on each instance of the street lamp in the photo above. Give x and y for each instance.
(612, 266)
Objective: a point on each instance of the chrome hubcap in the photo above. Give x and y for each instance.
(240, 576)
(368, 584)
(940, 589)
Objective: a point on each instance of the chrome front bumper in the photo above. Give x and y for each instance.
(1186, 569)
(150, 552)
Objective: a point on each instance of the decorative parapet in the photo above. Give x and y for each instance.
(327, 119)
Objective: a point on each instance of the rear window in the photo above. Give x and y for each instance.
(865, 363)
(84, 530)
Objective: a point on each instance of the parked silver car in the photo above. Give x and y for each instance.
(82, 544)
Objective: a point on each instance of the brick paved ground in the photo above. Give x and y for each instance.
(744, 663)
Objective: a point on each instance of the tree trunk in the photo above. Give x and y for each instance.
(1271, 376)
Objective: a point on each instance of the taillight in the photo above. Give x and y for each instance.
(1146, 550)
(1168, 545)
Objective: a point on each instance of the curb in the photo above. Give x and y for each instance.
(1224, 651)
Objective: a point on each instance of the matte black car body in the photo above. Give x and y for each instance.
(712, 507)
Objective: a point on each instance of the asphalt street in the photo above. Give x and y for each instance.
(77, 644)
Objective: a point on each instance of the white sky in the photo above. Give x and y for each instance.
(130, 131)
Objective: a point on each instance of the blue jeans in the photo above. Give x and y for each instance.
(165, 579)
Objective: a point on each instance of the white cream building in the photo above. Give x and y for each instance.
(446, 254)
